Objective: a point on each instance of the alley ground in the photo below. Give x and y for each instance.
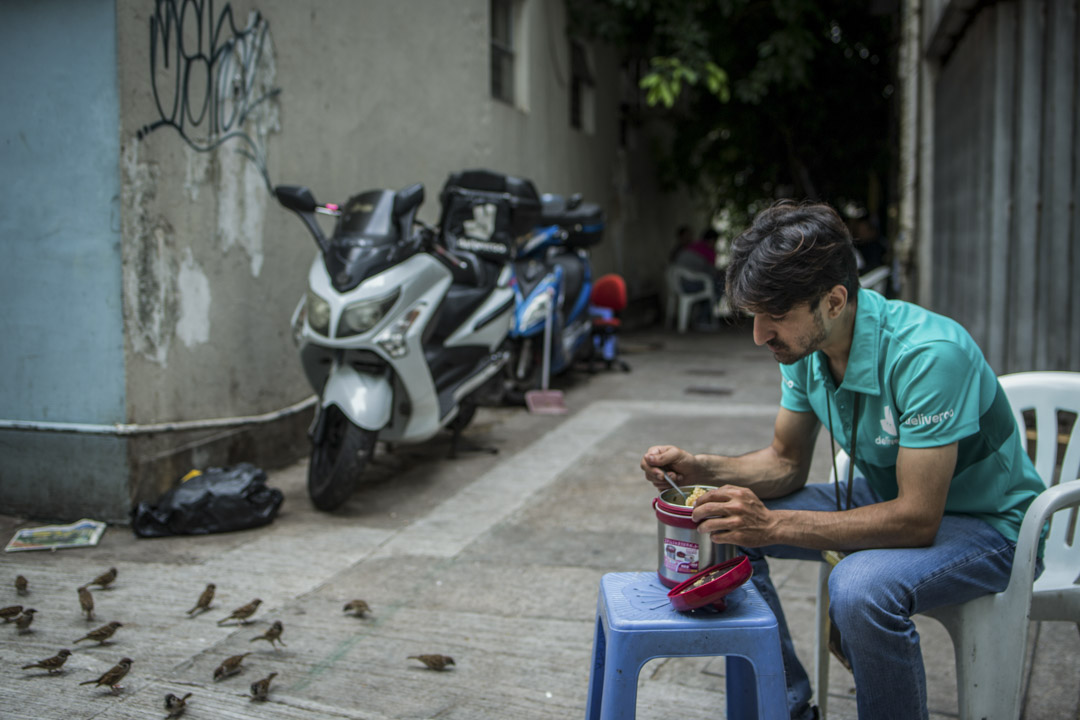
(493, 559)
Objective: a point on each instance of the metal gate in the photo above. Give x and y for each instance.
(1006, 184)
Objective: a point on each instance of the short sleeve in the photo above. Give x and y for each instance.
(793, 387)
(937, 395)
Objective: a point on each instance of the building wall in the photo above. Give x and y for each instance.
(62, 346)
(219, 101)
(1005, 214)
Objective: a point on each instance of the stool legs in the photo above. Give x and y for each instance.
(613, 682)
(596, 673)
(743, 686)
(613, 688)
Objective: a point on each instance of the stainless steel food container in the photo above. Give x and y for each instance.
(681, 550)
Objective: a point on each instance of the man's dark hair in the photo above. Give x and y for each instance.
(792, 253)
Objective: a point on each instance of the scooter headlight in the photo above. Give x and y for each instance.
(360, 317)
(318, 314)
(536, 311)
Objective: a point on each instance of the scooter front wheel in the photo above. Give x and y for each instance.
(337, 460)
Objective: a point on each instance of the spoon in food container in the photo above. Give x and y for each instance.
(675, 487)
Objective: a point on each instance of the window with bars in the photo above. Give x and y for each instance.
(502, 50)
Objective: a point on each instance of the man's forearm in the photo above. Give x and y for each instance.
(881, 525)
(764, 471)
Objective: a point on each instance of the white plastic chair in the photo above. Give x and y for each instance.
(876, 279)
(989, 633)
(682, 301)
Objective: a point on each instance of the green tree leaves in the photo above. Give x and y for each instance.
(764, 98)
(664, 82)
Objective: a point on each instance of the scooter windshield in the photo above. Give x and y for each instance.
(367, 240)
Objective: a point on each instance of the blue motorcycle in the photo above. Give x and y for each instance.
(552, 283)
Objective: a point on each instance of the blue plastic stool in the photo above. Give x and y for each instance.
(636, 623)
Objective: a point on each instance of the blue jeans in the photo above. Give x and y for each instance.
(874, 593)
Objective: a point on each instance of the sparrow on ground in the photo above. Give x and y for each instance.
(112, 676)
(229, 666)
(261, 688)
(434, 662)
(21, 585)
(273, 635)
(104, 580)
(10, 612)
(243, 612)
(86, 602)
(101, 634)
(23, 621)
(176, 705)
(53, 664)
(204, 601)
(357, 608)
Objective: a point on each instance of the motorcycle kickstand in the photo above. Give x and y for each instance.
(457, 443)
(386, 459)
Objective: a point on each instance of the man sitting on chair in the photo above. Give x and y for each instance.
(945, 480)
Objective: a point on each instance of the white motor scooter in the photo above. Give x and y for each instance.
(399, 337)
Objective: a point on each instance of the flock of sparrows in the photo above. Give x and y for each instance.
(174, 705)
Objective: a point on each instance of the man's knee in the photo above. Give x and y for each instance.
(860, 592)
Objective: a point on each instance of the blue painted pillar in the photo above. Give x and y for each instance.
(61, 322)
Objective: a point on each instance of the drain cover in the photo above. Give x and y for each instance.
(706, 390)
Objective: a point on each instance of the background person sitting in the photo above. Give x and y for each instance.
(700, 256)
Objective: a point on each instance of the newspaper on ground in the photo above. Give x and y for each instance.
(82, 533)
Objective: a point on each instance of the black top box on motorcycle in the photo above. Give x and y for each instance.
(485, 212)
(583, 221)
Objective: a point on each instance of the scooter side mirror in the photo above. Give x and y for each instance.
(408, 199)
(406, 202)
(296, 198)
(300, 200)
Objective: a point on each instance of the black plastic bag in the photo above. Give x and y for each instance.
(218, 500)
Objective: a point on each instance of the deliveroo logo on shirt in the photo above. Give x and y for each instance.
(888, 424)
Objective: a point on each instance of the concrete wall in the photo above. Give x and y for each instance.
(216, 103)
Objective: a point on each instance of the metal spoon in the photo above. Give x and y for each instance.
(675, 487)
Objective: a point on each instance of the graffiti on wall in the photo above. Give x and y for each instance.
(208, 76)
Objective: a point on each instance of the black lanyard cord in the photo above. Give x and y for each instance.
(851, 459)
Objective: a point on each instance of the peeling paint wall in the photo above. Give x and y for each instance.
(200, 107)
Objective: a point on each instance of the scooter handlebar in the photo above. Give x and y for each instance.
(449, 257)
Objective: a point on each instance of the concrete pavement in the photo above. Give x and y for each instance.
(493, 559)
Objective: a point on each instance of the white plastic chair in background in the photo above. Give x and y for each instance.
(989, 633)
(681, 302)
(877, 279)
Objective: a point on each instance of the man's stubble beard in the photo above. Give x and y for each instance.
(785, 355)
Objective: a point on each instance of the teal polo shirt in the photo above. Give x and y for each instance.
(921, 382)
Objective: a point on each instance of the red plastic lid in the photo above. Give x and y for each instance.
(711, 585)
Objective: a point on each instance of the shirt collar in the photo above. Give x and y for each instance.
(861, 375)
